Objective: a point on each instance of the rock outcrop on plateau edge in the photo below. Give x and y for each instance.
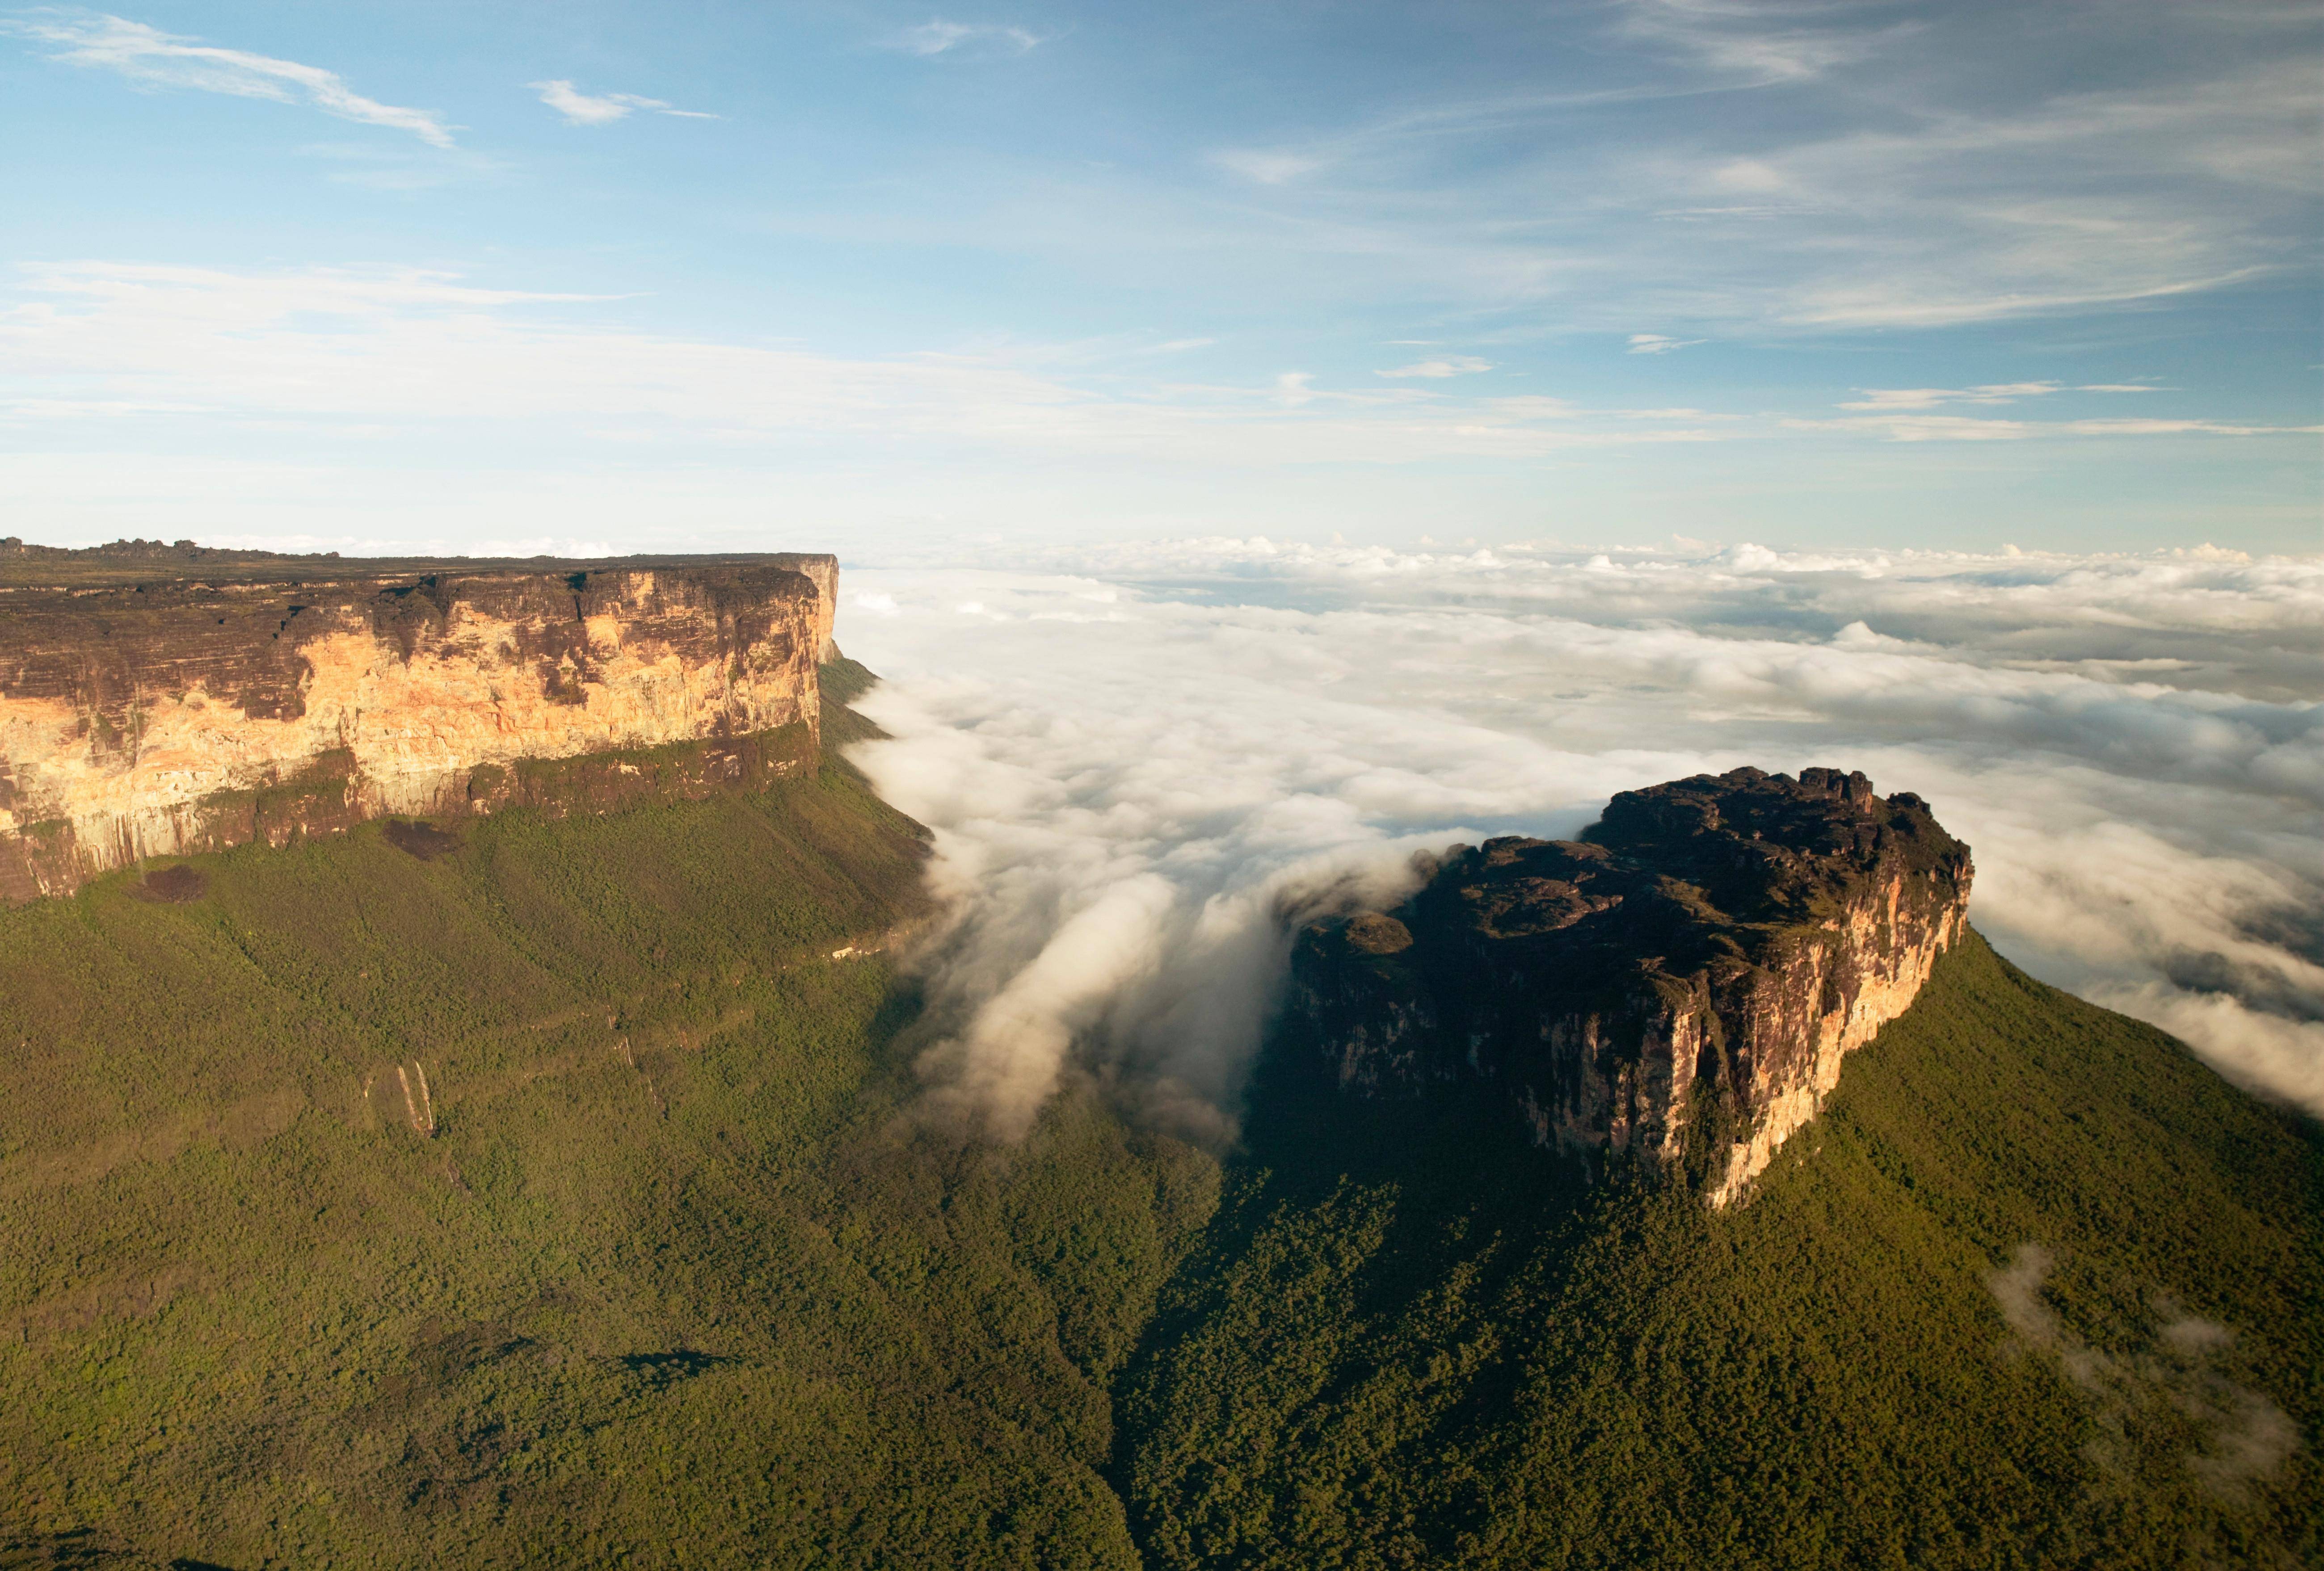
(146, 712)
(1681, 984)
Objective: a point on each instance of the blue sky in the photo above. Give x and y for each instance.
(879, 278)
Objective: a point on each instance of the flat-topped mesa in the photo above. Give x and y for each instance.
(152, 705)
(1682, 983)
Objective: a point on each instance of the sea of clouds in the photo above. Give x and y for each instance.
(1142, 763)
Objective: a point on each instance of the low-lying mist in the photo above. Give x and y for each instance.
(1139, 761)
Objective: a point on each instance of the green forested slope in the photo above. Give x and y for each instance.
(671, 1284)
(2038, 1289)
(676, 1278)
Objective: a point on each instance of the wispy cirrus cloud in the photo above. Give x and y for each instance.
(580, 108)
(937, 36)
(1916, 414)
(1268, 168)
(1920, 187)
(1759, 44)
(1883, 399)
(1658, 344)
(1442, 367)
(147, 55)
(316, 346)
(410, 347)
(1928, 427)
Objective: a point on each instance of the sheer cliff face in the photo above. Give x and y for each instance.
(823, 572)
(1683, 982)
(141, 719)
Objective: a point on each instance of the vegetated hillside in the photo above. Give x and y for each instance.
(2037, 1289)
(531, 1192)
(534, 1193)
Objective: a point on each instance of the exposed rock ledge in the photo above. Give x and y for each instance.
(266, 699)
(1681, 983)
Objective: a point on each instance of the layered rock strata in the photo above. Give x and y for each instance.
(196, 712)
(1684, 981)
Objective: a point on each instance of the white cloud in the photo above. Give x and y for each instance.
(1268, 169)
(937, 37)
(319, 348)
(1760, 45)
(1909, 427)
(1444, 366)
(1930, 398)
(2256, 1048)
(1126, 804)
(581, 108)
(1885, 399)
(1899, 413)
(1748, 174)
(147, 54)
(2238, 1433)
(1658, 344)
(112, 372)
(1920, 187)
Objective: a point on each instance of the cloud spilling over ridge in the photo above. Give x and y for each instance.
(1138, 760)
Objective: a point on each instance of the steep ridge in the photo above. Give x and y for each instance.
(1691, 972)
(538, 1190)
(2037, 1289)
(145, 712)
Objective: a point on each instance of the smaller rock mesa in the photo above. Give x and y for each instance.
(1681, 983)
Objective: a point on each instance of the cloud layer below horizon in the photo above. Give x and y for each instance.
(1137, 760)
